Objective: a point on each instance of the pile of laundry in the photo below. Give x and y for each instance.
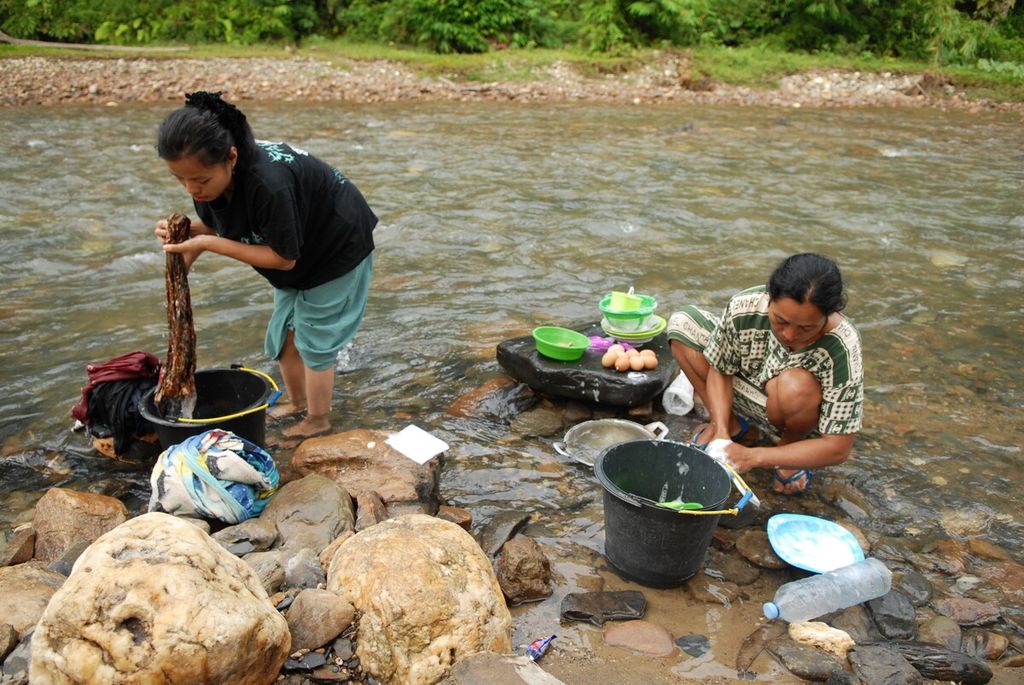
(109, 405)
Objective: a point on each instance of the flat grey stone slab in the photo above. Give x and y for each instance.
(585, 379)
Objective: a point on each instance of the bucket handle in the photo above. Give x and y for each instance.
(657, 429)
(270, 400)
(740, 484)
(638, 501)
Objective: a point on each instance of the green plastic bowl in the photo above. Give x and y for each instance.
(631, 320)
(562, 344)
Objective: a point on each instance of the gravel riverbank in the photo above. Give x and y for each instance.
(58, 80)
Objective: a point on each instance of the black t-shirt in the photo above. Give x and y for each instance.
(301, 207)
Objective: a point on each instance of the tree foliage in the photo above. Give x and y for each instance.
(446, 25)
(127, 21)
(947, 31)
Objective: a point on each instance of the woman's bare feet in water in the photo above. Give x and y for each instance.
(308, 427)
(284, 410)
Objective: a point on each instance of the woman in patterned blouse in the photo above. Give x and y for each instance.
(783, 358)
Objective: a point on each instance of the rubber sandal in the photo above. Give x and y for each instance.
(792, 485)
(735, 437)
(744, 429)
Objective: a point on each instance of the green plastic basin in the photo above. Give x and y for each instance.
(562, 344)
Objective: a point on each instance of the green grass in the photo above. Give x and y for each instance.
(759, 66)
(504, 65)
(754, 66)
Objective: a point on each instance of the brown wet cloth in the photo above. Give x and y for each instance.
(598, 607)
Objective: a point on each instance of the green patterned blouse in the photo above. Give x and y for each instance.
(743, 345)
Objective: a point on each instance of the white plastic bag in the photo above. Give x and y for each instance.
(678, 396)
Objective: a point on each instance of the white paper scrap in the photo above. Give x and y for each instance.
(417, 444)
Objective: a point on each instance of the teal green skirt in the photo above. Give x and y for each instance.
(323, 318)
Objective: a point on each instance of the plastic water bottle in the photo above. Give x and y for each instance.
(807, 598)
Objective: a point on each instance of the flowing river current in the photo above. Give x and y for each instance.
(496, 218)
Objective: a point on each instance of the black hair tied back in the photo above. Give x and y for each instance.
(229, 116)
(207, 126)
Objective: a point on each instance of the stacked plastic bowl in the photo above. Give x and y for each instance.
(628, 313)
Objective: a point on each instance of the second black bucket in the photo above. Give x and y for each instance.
(219, 393)
(653, 545)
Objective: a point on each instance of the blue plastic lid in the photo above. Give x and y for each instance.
(771, 610)
(812, 543)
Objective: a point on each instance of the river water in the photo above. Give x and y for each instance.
(499, 217)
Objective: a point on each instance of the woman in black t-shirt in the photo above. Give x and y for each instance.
(296, 220)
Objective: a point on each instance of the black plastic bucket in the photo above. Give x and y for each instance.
(219, 392)
(653, 545)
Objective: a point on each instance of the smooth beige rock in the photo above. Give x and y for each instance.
(428, 598)
(328, 554)
(361, 461)
(458, 515)
(62, 517)
(8, 640)
(823, 636)
(268, 567)
(157, 600)
(316, 617)
(19, 548)
(642, 637)
(25, 590)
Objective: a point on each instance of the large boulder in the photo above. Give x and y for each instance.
(63, 517)
(428, 598)
(362, 461)
(158, 600)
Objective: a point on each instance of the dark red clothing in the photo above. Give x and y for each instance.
(126, 367)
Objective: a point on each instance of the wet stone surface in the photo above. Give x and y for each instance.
(966, 611)
(694, 645)
(941, 630)
(873, 664)
(731, 567)
(599, 607)
(804, 661)
(916, 587)
(755, 547)
(585, 379)
(894, 615)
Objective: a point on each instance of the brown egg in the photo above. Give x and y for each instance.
(632, 352)
(650, 361)
(616, 348)
(622, 363)
(636, 362)
(608, 360)
(648, 353)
